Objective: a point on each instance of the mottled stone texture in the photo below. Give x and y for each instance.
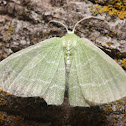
(26, 22)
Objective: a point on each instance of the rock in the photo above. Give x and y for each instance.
(26, 22)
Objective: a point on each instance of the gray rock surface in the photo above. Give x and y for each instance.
(26, 22)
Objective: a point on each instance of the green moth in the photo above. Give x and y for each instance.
(68, 64)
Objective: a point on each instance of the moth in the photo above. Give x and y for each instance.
(68, 65)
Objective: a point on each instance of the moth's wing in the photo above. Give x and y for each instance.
(98, 78)
(75, 93)
(36, 71)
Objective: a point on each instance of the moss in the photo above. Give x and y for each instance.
(109, 44)
(113, 7)
(2, 117)
(108, 109)
(121, 101)
(1, 90)
(10, 120)
(123, 123)
(116, 60)
(10, 30)
(123, 64)
(1, 99)
(3, 96)
(114, 121)
(8, 94)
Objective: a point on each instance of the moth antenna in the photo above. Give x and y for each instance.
(90, 17)
(61, 24)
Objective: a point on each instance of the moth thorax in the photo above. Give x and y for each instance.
(68, 57)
